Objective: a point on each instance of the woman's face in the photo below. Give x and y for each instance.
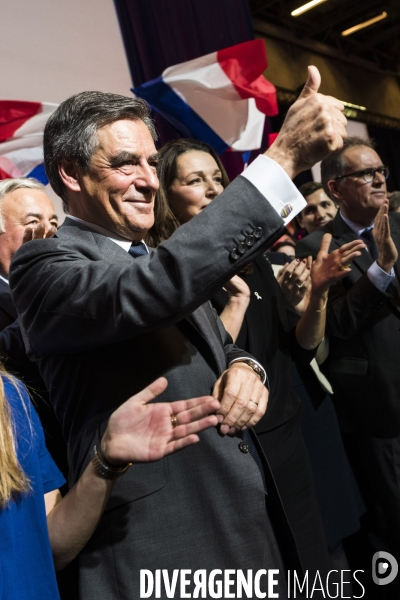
(197, 182)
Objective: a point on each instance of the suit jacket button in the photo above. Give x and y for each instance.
(234, 254)
(243, 447)
(241, 248)
(258, 232)
(249, 241)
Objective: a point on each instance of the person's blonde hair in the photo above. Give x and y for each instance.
(13, 480)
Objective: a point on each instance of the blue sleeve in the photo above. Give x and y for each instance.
(379, 277)
(30, 433)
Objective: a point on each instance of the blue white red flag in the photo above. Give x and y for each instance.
(21, 138)
(221, 98)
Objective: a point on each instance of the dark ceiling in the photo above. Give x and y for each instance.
(377, 46)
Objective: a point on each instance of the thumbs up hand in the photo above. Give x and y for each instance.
(314, 127)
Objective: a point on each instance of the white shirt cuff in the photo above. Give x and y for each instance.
(379, 278)
(277, 187)
(244, 358)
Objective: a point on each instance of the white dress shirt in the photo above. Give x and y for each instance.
(275, 185)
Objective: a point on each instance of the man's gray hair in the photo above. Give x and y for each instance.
(335, 164)
(9, 185)
(70, 132)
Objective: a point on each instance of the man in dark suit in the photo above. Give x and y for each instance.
(100, 324)
(363, 325)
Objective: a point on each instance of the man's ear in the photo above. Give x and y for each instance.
(336, 194)
(69, 173)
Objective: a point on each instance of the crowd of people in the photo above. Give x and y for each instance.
(190, 440)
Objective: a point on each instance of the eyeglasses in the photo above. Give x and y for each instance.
(368, 174)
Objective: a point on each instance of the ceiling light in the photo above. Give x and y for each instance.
(306, 7)
(356, 106)
(365, 24)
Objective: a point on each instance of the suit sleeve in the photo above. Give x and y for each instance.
(71, 298)
(13, 354)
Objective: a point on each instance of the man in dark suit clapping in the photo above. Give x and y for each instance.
(363, 324)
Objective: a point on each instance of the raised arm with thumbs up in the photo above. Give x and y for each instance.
(314, 127)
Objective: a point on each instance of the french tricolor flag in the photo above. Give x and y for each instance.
(221, 98)
(21, 138)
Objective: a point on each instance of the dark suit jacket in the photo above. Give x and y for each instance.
(102, 326)
(8, 312)
(363, 326)
(13, 356)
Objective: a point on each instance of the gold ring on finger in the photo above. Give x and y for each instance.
(344, 267)
(254, 402)
(174, 420)
(299, 286)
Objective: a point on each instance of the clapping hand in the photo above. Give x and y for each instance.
(238, 289)
(140, 432)
(387, 252)
(38, 232)
(295, 280)
(327, 268)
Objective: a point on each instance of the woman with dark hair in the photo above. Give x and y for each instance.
(168, 216)
(191, 176)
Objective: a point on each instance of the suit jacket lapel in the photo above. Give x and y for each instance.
(204, 321)
(106, 246)
(343, 235)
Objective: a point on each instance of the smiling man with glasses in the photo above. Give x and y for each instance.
(363, 324)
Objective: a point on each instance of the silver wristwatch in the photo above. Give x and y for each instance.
(257, 368)
(104, 468)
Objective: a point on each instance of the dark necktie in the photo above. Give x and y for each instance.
(368, 238)
(137, 249)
